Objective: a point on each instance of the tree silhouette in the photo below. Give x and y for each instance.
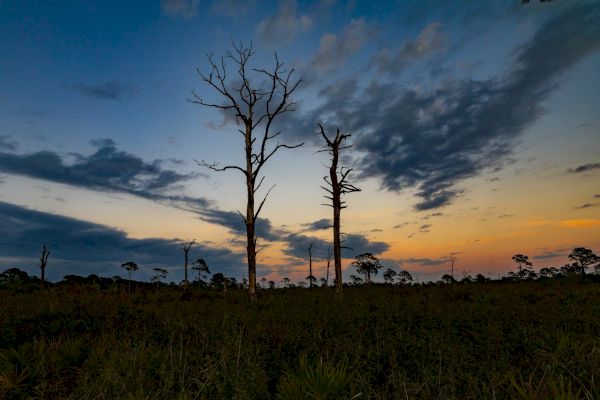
(521, 260)
(338, 186)
(255, 107)
(285, 281)
(129, 266)
(201, 268)
(447, 278)
(405, 277)
(329, 255)
(186, 249)
(43, 261)
(310, 277)
(158, 274)
(311, 281)
(367, 264)
(583, 259)
(356, 280)
(389, 275)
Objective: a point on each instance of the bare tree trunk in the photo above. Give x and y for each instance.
(310, 275)
(329, 254)
(250, 221)
(43, 262)
(186, 250)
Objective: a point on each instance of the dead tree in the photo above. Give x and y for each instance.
(310, 276)
(338, 186)
(186, 250)
(255, 106)
(329, 255)
(43, 262)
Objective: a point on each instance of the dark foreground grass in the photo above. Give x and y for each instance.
(529, 340)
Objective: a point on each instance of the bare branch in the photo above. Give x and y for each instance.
(215, 166)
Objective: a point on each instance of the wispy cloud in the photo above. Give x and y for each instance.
(585, 168)
(8, 143)
(429, 41)
(110, 90)
(285, 25)
(587, 205)
(184, 9)
(335, 50)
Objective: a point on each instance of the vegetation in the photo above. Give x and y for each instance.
(85, 338)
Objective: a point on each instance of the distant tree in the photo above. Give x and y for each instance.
(311, 281)
(521, 260)
(447, 278)
(323, 282)
(549, 272)
(405, 277)
(13, 275)
(271, 285)
(301, 284)
(256, 98)
(218, 281)
(186, 249)
(356, 280)
(452, 260)
(201, 268)
(389, 275)
(129, 266)
(43, 262)
(158, 274)
(338, 185)
(583, 259)
(367, 264)
(285, 281)
(479, 278)
(263, 283)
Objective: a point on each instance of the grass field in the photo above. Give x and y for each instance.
(529, 340)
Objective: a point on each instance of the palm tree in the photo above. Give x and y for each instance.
(130, 266)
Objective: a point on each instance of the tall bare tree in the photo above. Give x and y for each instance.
(338, 186)
(329, 256)
(186, 250)
(43, 262)
(256, 97)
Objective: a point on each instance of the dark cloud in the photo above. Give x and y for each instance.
(184, 9)
(7, 143)
(108, 169)
(353, 244)
(235, 224)
(335, 50)
(80, 247)
(319, 224)
(597, 196)
(585, 168)
(587, 205)
(425, 227)
(285, 25)
(107, 91)
(432, 140)
(506, 215)
(430, 40)
(550, 254)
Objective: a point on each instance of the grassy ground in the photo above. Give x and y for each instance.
(530, 340)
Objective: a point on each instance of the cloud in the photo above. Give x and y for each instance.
(284, 26)
(109, 90)
(184, 9)
(235, 224)
(107, 169)
(429, 40)
(585, 168)
(319, 224)
(432, 140)
(353, 244)
(428, 262)
(81, 247)
(232, 8)
(7, 143)
(587, 205)
(335, 50)
(550, 254)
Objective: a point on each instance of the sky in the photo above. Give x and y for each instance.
(474, 128)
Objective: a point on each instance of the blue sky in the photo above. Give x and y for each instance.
(470, 110)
